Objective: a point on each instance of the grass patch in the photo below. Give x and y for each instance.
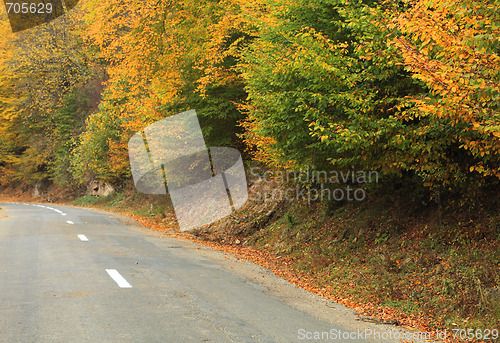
(104, 201)
(129, 201)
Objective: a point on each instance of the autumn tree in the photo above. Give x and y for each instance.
(452, 48)
(323, 86)
(47, 63)
(10, 145)
(405, 88)
(162, 58)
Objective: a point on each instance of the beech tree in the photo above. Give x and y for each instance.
(452, 47)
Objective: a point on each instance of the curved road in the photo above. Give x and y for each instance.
(69, 274)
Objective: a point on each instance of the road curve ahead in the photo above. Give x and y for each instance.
(77, 275)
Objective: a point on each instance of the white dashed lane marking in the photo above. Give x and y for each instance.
(113, 273)
(120, 280)
(50, 208)
(83, 238)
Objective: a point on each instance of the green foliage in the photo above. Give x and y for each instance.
(67, 124)
(324, 89)
(90, 158)
(217, 113)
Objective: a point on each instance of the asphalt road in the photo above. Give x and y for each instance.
(77, 275)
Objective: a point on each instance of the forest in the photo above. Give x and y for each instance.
(408, 90)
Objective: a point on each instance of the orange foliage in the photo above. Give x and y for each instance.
(449, 48)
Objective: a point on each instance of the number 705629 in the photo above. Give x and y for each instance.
(32, 8)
